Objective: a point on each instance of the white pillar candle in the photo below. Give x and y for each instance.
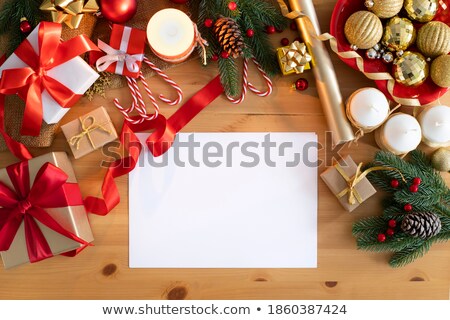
(367, 108)
(400, 134)
(435, 124)
(171, 35)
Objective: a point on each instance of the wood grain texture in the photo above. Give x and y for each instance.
(101, 272)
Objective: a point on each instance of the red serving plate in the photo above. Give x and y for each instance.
(427, 92)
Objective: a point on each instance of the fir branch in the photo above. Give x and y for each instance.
(409, 254)
(370, 224)
(228, 75)
(265, 13)
(396, 243)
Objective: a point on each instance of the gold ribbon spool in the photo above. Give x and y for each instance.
(86, 131)
(69, 11)
(295, 57)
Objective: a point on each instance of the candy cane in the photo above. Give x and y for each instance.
(244, 85)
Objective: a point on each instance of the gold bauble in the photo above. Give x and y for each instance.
(363, 29)
(421, 10)
(433, 39)
(411, 69)
(384, 8)
(441, 159)
(399, 34)
(440, 71)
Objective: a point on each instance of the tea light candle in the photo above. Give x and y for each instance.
(171, 35)
(435, 124)
(400, 134)
(367, 109)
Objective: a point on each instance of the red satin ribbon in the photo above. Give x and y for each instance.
(27, 204)
(158, 142)
(31, 81)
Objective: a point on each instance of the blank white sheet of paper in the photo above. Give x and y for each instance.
(241, 200)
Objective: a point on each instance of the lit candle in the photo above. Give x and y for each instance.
(435, 123)
(171, 35)
(367, 109)
(400, 134)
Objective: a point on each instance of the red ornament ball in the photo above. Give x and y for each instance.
(381, 237)
(417, 181)
(392, 223)
(270, 29)
(179, 1)
(118, 11)
(301, 84)
(395, 183)
(225, 55)
(214, 57)
(208, 23)
(284, 41)
(407, 207)
(390, 232)
(293, 26)
(25, 26)
(232, 5)
(414, 188)
(250, 33)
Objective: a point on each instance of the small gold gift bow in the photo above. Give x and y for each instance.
(353, 194)
(295, 57)
(86, 131)
(69, 11)
(350, 55)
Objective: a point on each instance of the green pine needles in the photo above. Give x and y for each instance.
(249, 14)
(432, 196)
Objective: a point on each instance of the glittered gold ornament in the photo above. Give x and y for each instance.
(384, 8)
(421, 10)
(399, 34)
(440, 71)
(433, 39)
(363, 29)
(440, 159)
(411, 69)
(69, 11)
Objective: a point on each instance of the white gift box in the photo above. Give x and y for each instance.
(75, 74)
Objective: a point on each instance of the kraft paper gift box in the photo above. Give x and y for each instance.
(67, 209)
(89, 132)
(337, 179)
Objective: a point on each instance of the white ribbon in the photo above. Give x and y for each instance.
(121, 57)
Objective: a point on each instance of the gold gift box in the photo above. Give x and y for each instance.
(72, 218)
(293, 59)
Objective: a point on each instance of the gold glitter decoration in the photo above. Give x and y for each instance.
(441, 160)
(421, 10)
(385, 8)
(69, 11)
(100, 86)
(440, 71)
(433, 39)
(399, 34)
(411, 69)
(363, 29)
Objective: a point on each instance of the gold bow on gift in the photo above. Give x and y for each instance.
(295, 57)
(353, 194)
(69, 11)
(86, 131)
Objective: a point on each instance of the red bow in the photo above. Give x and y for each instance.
(27, 204)
(31, 81)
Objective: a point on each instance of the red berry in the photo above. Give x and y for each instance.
(232, 5)
(214, 57)
(390, 232)
(293, 26)
(208, 23)
(414, 188)
(417, 181)
(395, 183)
(225, 55)
(284, 41)
(250, 33)
(381, 237)
(407, 207)
(298, 39)
(301, 84)
(270, 29)
(279, 30)
(392, 223)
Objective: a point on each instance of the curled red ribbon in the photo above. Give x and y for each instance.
(27, 204)
(31, 81)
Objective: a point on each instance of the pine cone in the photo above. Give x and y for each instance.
(229, 36)
(421, 224)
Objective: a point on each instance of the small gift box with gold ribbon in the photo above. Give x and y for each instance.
(348, 183)
(293, 58)
(89, 132)
(41, 211)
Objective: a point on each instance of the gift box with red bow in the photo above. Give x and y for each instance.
(41, 211)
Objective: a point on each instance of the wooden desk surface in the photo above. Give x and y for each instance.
(101, 272)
